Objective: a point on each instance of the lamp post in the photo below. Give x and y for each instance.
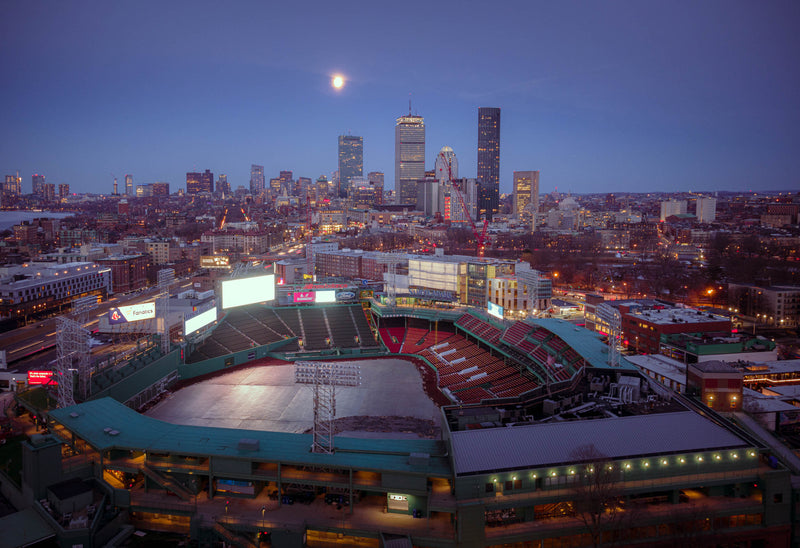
(263, 509)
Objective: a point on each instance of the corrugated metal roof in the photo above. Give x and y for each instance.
(127, 429)
(551, 444)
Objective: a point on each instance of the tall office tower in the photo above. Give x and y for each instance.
(160, 189)
(446, 168)
(13, 185)
(488, 160)
(351, 160)
(223, 186)
(115, 186)
(38, 184)
(129, 190)
(63, 191)
(49, 192)
(376, 181)
(526, 196)
(706, 209)
(409, 157)
(199, 182)
(275, 186)
(257, 181)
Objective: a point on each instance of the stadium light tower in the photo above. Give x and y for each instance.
(72, 352)
(166, 277)
(324, 378)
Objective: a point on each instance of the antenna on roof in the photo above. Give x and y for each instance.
(409, 104)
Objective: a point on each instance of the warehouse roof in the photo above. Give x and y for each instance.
(552, 444)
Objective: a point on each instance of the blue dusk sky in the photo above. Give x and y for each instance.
(606, 96)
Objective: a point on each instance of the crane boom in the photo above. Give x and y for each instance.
(480, 237)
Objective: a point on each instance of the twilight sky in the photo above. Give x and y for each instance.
(606, 96)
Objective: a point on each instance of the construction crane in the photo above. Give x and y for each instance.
(480, 237)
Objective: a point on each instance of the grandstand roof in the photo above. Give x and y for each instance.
(552, 444)
(96, 421)
(584, 342)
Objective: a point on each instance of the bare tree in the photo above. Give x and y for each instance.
(598, 493)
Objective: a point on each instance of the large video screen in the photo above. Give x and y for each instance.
(201, 320)
(494, 309)
(248, 291)
(136, 312)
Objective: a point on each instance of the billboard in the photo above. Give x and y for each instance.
(303, 297)
(214, 261)
(243, 291)
(494, 310)
(40, 377)
(201, 320)
(133, 313)
(326, 296)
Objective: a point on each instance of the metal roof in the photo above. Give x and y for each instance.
(551, 444)
(105, 424)
(584, 342)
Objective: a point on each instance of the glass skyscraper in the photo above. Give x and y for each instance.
(488, 160)
(351, 161)
(526, 195)
(257, 180)
(409, 157)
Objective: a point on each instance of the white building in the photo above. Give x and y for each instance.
(706, 209)
(34, 288)
(673, 207)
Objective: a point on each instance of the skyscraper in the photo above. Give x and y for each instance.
(199, 182)
(13, 185)
(376, 180)
(63, 191)
(488, 160)
(129, 190)
(409, 157)
(351, 160)
(38, 184)
(446, 167)
(223, 186)
(257, 181)
(526, 195)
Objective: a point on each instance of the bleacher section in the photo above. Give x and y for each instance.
(545, 354)
(392, 337)
(345, 326)
(472, 374)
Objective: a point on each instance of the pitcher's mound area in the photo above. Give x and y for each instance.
(267, 398)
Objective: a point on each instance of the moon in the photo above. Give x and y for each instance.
(337, 82)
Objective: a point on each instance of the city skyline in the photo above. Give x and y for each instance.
(609, 98)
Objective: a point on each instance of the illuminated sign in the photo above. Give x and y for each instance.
(201, 320)
(243, 291)
(345, 296)
(432, 294)
(398, 497)
(327, 296)
(304, 296)
(133, 313)
(214, 261)
(494, 310)
(40, 377)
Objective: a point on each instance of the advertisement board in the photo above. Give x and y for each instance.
(245, 291)
(132, 313)
(214, 261)
(326, 296)
(303, 296)
(201, 320)
(494, 310)
(40, 377)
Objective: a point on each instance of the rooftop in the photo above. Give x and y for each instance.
(552, 444)
(107, 424)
